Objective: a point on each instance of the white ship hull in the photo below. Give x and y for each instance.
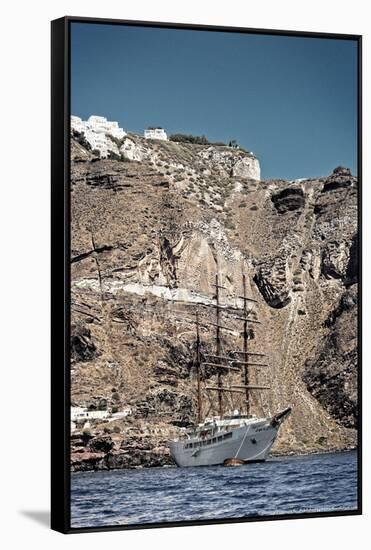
(250, 442)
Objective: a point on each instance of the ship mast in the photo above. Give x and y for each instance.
(198, 366)
(245, 337)
(245, 352)
(218, 346)
(225, 363)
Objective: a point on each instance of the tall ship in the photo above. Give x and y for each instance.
(233, 436)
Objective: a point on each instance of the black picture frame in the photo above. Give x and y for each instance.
(60, 270)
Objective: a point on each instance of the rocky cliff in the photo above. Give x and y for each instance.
(149, 232)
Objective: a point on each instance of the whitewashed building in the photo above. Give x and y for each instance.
(101, 125)
(155, 133)
(77, 124)
(97, 131)
(122, 414)
(79, 414)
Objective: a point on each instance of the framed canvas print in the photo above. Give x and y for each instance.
(205, 274)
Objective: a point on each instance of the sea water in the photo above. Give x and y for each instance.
(285, 485)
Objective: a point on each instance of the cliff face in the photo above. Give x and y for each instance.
(184, 161)
(148, 237)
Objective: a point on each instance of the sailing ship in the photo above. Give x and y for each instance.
(237, 436)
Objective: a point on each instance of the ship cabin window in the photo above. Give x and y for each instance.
(214, 439)
(220, 437)
(228, 435)
(208, 442)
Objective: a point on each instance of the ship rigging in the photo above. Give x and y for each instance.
(229, 436)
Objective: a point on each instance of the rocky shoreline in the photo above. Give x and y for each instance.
(88, 461)
(106, 453)
(130, 444)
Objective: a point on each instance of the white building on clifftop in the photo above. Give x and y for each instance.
(155, 133)
(97, 131)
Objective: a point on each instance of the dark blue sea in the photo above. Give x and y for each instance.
(287, 485)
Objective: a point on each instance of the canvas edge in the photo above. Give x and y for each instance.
(60, 274)
(60, 279)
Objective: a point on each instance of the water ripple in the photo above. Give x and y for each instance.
(279, 486)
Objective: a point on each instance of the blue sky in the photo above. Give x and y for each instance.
(290, 100)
